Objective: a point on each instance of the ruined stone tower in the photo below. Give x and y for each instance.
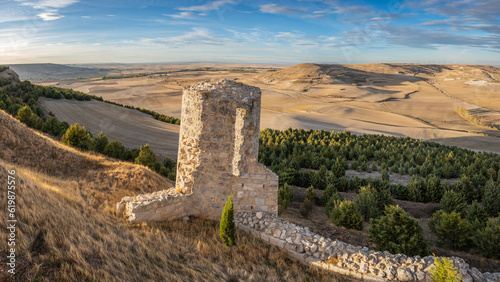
(218, 151)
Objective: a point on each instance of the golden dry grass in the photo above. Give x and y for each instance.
(67, 229)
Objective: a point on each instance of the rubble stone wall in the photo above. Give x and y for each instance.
(339, 257)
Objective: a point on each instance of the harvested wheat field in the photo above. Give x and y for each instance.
(414, 100)
(130, 127)
(67, 229)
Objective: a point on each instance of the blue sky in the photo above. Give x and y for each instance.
(272, 31)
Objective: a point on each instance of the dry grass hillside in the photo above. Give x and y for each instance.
(28, 148)
(67, 230)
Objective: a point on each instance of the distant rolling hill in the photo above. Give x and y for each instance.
(56, 71)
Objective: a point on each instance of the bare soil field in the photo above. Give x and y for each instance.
(419, 101)
(130, 127)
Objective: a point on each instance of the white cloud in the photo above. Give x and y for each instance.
(56, 3)
(50, 8)
(215, 5)
(44, 4)
(314, 16)
(276, 9)
(180, 15)
(197, 36)
(50, 16)
(86, 17)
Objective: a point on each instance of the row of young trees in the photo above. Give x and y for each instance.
(20, 101)
(319, 158)
(154, 114)
(299, 148)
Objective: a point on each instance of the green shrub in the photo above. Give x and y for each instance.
(100, 142)
(416, 189)
(336, 197)
(435, 220)
(25, 115)
(464, 187)
(169, 163)
(328, 193)
(491, 198)
(311, 194)
(346, 214)
(52, 126)
(397, 232)
(453, 202)
(147, 158)
(28, 117)
(487, 240)
(227, 229)
(285, 197)
(444, 271)
(366, 202)
(385, 175)
(453, 231)
(115, 149)
(433, 188)
(76, 136)
(306, 207)
(338, 168)
(476, 216)
(383, 196)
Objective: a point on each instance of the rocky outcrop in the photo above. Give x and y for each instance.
(10, 75)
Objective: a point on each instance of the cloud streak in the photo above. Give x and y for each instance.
(50, 8)
(215, 5)
(276, 9)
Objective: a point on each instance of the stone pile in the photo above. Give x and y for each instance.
(339, 257)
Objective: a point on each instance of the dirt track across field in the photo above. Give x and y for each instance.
(131, 127)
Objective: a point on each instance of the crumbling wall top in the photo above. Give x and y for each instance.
(223, 89)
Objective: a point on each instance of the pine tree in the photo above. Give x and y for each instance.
(366, 202)
(285, 197)
(346, 214)
(146, 157)
(76, 136)
(227, 229)
(100, 142)
(397, 232)
(491, 198)
(311, 194)
(453, 201)
(433, 188)
(114, 149)
(338, 168)
(476, 216)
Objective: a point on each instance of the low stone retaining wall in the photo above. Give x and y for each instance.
(339, 257)
(154, 207)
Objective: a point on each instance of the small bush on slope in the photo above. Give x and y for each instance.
(77, 136)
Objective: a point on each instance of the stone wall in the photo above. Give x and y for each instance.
(218, 151)
(339, 257)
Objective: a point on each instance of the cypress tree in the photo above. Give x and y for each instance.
(227, 229)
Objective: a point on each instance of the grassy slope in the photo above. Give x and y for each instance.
(67, 230)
